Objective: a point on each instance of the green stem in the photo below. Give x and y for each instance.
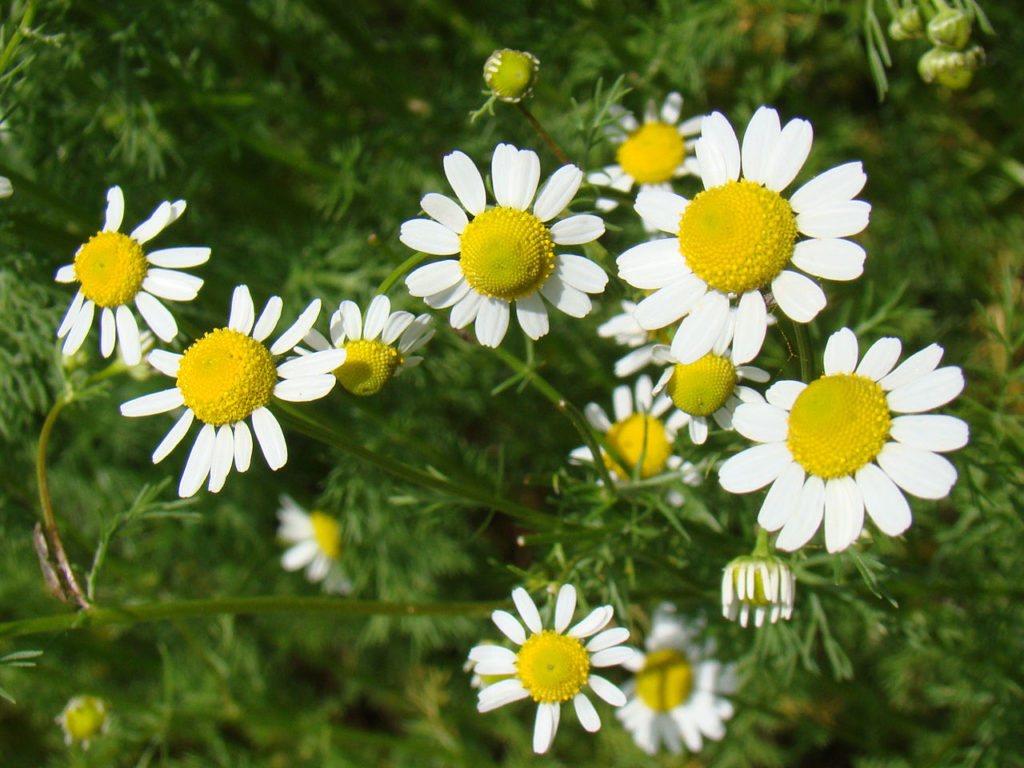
(16, 38)
(803, 351)
(761, 548)
(399, 271)
(562, 158)
(323, 430)
(186, 609)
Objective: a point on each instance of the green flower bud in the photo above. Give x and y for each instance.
(950, 28)
(907, 24)
(759, 586)
(511, 74)
(83, 719)
(953, 69)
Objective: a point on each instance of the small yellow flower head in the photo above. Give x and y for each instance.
(953, 69)
(906, 24)
(950, 28)
(83, 718)
(511, 74)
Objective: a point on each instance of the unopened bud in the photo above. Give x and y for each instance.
(511, 74)
(953, 69)
(950, 28)
(83, 719)
(906, 24)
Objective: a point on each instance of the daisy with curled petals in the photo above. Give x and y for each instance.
(506, 254)
(315, 540)
(228, 376)
(676, 697)
(113, 272)
(709, 386)
(638, 436)
(377, 349)
(552, 665)
(841, 445)
(736, 239)
(651, 153)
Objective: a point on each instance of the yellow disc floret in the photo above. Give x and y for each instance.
(368, 366)
(652, 153)
(666, 680)
(506, 253)
(737, 236)
(838, 424)
(637, 437)
(702, 387)
(327, 532)
(225, 376)
(552, 667)
(110, 266)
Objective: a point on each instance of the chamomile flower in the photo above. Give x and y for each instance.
(840, 446)
(651, 153)
(625, 330)
(676, 698)
(378, 348)
(113, 272)
(638, 435)
(228, 376)
(709, 386)
(506, 254)
(759, 585)
(736, 239)
(315, 540)
(552, 666)
(83, 719)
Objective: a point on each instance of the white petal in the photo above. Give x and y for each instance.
(661, 208)
(79, 328)
(223, 456)
(492, 656)
(672, 108)
(153, 403)
(164, 361)
(788, 154)
(841, 352)
(509, 626)
(930, 391)
(780, 502)
(171, 284)
(804, 522)
(580, 272)
(913, 368)
(565, 606)
(173, 437)
(558, 192)
(466, 181)
(300, 555)
(844, 513)
(885, 503)
(611, 657)
(115, 210)
(74, 308)
(395, 326)
(544, 727)
(492, 321)
(573, 302)
(831, 258)
(268, 318)
(312, 365)
(751, 326)
(499, 694)
(108, 331)
(242, 310)
(607, 691)
(586, 713)
(157, 316)
(433, 278)
(839, 220)
(178, 258)
(782, 394)
(66, 274)
(698, 429)
(798, 296)
(154, 225)
(298, 329)
(128, 334)
(428, 236)
(698, 332)
(761, 136)
(376, 315)
(931, 432)
(594, 621)
(918, 472)
(305, 388)
(654, 264)
(444, 210)
(532, 316)
(835, 185)
(270, 437)
(597, 417)
(718, 151)
(577, 229)
(243, 446)
(197, 468)
(880, 358)
(754, 468)
(527, 609)
(607, 639)
(761, 422)
(465, 310)
(527, 176)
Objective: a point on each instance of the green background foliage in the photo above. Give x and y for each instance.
(302, 133)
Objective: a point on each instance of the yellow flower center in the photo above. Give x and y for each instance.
(225, 376)
(327, 532)
(665, 681)
(110, 266)
(737, 236)
(84, 717)
(506, 253)
(552, 667)
(652, 153)
(635, 437)
(368, 366)
(702, 387)
(838, 424)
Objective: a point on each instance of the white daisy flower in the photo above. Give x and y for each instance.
(625, 330)
(709, 386)
(113, 271)
(552, 665)
(377, 349)
(837, 446)
(736, 238)
(229, 375)
(505, 254)
(676, 697)
(638, 436)
(758, 585)
(315, 540)
(651, 153)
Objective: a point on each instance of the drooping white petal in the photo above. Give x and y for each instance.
(558, 192)
(445, 211)
(268, 318)
(885, 503)
(223, 456)
(804, 522)
(918, 472)
(115, 210)
(661, 208)
(242, 313)
(831, 258)
(179, 258)
(654, 264)
(932, 432)
(577, 229)
(433, 278)
(173, 436)
(798, 296)
(930, 391)
(880, 358)
(128, 334)
(428, 236)
(197, 468)
(586, 713)
(781, 500)
(157, 316)
(844, 513)
(492, 321)
(155, 402)
(298, 329)
(565, 606)
(270, 437)
(466, 181)
(836, 185)
(243, 446)
(527, 609)
(79, 328)
(532, 316)
(509, 625)
(754, 468)
(573, 302)
(108, 332)
(841, 352)
(788, 154)
(500, 693)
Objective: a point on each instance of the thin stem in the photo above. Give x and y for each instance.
(399, 272)
(186, 609)
(562, 158)
(803, 351)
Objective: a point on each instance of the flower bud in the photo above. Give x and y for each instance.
(951, 28)
(953, 69)
(83, 718)
(906, 24)
(762, 585)
(511, 74)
